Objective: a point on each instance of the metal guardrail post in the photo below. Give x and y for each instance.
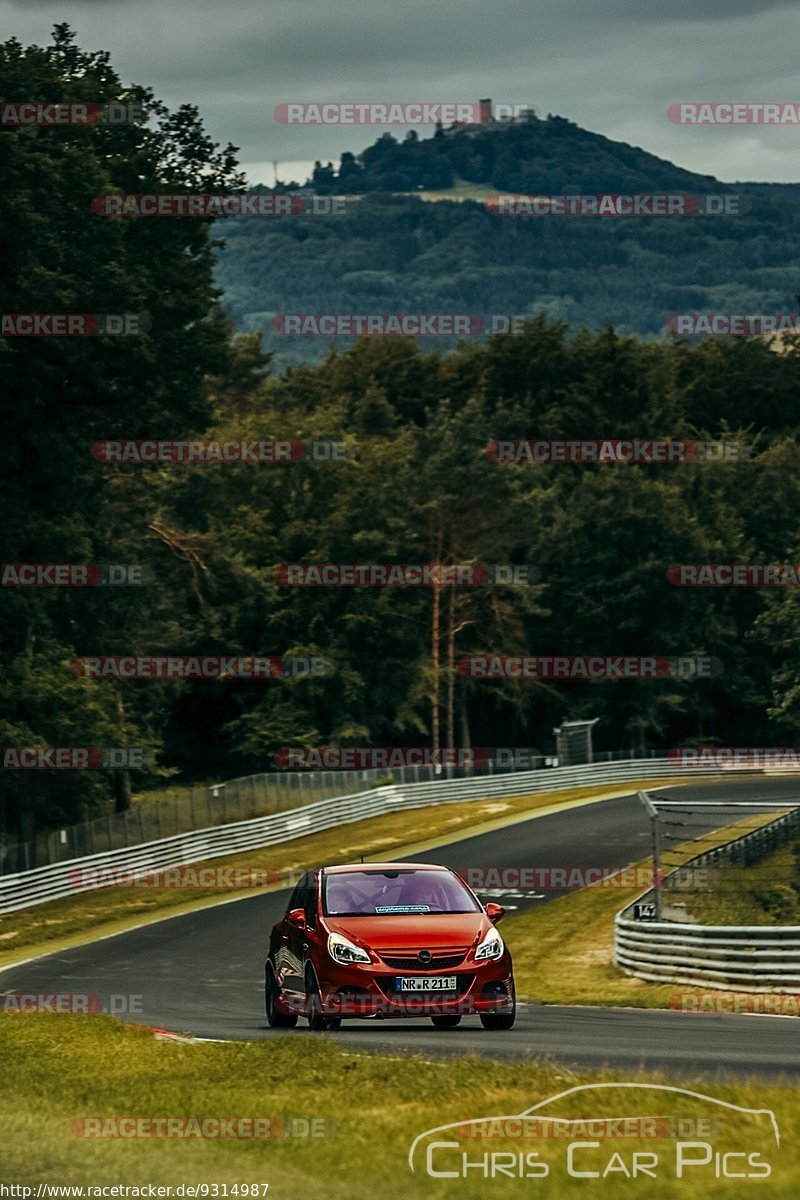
(652, 812)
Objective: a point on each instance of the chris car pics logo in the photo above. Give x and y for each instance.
(609, 1131)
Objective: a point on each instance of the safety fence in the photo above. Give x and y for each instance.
(23, 889)
(153, 817)
(185, 809)
(752, 958)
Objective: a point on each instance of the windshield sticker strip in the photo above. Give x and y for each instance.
(402, 908)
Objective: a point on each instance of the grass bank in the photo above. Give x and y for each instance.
(766, 893)
(369, 1108)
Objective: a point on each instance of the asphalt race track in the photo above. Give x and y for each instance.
(203, 973)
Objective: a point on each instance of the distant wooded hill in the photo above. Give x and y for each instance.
(395, 252)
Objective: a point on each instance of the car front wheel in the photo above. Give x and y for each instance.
(317, 1020)
(503, 1020)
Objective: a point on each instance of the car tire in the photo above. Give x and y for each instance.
(317, 1020)
(503, 1020)
(446, 1022)
(275, 1019)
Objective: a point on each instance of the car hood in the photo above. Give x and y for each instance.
(431, 931)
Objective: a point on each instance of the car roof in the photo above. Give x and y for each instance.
(384, 866)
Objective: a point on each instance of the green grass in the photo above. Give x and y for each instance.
(63, 1069)
(766, 893)
(75, 919)
(58, 1070)
(461, 190)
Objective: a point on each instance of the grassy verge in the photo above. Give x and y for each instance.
(766, 893)
(563, 951)
(372, 1107)
(461, 190)
(72, 920)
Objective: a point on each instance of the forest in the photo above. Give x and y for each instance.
(211, 540)
(392, 251)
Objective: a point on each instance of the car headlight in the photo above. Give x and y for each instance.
(492, 946)
(344, 951)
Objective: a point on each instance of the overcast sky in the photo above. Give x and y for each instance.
(613, 66)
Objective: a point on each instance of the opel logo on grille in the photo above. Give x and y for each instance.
(424, 957)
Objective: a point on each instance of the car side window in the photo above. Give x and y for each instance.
(297, 898)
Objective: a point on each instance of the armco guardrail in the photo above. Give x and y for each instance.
(188, 808)
(752, 958)
(200, 805)
(64, 879)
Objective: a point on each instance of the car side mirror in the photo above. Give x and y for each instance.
(495, 912)
(297, 917)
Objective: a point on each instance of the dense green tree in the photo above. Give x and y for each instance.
(60, 395)
(417, 485)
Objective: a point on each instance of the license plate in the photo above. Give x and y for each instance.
(426, 983)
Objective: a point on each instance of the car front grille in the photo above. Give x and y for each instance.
(439, 962)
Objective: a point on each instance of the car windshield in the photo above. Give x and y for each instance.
(395, 893)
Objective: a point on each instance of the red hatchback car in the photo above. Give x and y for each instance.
(388, 940)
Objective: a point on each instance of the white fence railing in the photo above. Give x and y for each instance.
(751, 958)
(69, 878)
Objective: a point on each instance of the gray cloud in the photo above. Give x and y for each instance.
(613, 67)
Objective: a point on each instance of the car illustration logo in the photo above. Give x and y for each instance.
(675, 1134)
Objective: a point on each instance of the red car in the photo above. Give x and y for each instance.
(388, 940)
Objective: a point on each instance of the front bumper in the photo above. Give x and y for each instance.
(370, 991)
